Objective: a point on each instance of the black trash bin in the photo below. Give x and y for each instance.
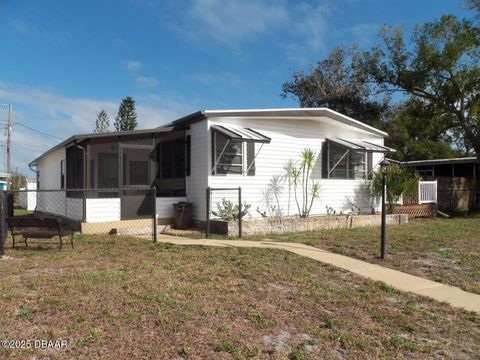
(183, 215)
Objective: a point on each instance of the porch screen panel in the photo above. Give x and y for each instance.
(74, 170)
(172, 159)
(107, 170)
(136, 167)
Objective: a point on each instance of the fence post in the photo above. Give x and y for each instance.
(3, 224)
(207, 226)
(240, 212)
(154, 212)
(419, 192)
(84, 202)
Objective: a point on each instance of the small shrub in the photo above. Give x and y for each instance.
(227, 210)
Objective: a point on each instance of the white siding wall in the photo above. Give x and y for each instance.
(49, 167)
(165, 206)
(289, 138)
(100, 210)
(196, 183)
(28, 199)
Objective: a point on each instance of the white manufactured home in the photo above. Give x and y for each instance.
(212, 148)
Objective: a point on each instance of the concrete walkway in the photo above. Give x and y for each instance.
(397, 279)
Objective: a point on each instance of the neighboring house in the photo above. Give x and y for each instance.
(27, 197)
(458, 180)
(4, 178)
(218, 149)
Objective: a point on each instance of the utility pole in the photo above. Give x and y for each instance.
(9, 144)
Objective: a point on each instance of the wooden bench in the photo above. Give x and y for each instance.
(32, 227)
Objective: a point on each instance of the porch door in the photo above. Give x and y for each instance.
(136, 177)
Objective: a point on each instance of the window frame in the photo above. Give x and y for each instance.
(62, 174)
(215, 164)
(349, 164)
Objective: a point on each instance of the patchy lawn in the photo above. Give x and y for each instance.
(18, 211)
(444, 250)
(124, 298)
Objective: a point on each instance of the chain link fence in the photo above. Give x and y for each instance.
(224, 209)
(125, 211)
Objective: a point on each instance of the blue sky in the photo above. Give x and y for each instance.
(64, 61)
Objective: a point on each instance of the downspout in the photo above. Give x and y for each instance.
(36, 174)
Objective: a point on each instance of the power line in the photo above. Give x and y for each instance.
(26, 145)
(39, 132)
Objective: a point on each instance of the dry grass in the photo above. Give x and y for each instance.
(125, 298)
(444, 250)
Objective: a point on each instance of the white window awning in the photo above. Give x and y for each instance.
(241, 133)
(361, 145)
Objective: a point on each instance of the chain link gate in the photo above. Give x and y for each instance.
(224, 204)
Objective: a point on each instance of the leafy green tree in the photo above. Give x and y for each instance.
(400, 181)
(472, 5)
(102, 123)
(18, 181)
(126, 118)
(440, 67)
(336, 84)
(417, 132)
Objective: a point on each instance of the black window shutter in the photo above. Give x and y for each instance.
(324, 160)
(213, 152)
(369, 165)
(251, 158)
(188, 147)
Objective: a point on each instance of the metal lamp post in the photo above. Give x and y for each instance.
(384, 168)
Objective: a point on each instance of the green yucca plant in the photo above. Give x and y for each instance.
(400, 181)
(300, 176)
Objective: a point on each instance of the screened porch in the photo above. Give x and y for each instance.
(117, 172)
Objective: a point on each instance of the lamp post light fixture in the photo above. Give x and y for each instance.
(384, 169)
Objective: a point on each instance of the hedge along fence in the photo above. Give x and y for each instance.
(297, 224)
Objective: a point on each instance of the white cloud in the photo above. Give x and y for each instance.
(221, 79)
(63, 116)
(132, 66)
(313, 25)
(232, 22)
(364, 34)
(29, 29)
(146, 81)
(309, 32)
